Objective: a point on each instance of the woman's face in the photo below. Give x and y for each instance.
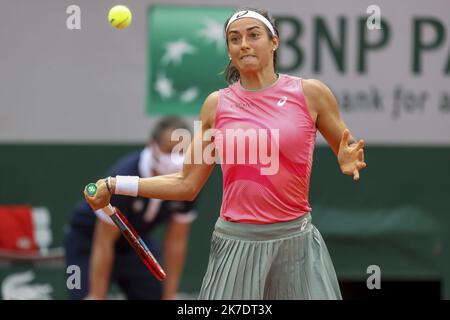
(249, 45)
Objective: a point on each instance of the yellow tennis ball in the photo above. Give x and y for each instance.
(120, 17)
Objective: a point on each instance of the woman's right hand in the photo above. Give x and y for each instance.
(101, 198)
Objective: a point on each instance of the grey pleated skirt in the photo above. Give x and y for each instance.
(286, 260)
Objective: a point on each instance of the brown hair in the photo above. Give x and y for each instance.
(170, 122)
(231, 72)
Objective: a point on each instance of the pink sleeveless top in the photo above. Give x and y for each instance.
(265, 140)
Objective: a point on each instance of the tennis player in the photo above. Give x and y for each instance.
(264, 245)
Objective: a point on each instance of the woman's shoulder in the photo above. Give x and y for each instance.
(311, 87)
(314, 86)
(318, 95)
(208, 112)
(316, 90)
(211, 102)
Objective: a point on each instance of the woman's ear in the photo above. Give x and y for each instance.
(275, 43)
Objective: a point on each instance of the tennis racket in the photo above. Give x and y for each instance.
(132, 236)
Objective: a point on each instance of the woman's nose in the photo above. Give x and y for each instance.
(244, 42)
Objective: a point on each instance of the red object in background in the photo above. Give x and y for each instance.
(16, 229)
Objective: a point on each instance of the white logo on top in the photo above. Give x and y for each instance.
(282, 101)
(17, 286)
(304, 223)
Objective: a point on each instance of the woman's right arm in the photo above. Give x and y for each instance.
(184, 185)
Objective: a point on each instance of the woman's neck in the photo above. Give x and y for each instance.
(259, 80)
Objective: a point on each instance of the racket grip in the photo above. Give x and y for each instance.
(91, 189)
(131, 235)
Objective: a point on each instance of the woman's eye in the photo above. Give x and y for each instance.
(254, 35)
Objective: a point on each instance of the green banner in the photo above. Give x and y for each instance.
(187, 55)
(396, 217)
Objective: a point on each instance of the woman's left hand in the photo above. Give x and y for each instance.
(351, 157)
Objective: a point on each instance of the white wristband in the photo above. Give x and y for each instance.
(127, 185)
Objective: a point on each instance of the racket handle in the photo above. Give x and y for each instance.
(91, 189)
(131, 235)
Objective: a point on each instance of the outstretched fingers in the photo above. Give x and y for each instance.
(355, 174)
(360, 144)
(361, 165)
(361, 155)
(344, 139)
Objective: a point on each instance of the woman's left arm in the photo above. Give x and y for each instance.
(324, 108)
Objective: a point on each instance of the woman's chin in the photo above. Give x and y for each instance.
(249, 68)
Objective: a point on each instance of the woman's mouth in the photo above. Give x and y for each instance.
(247, 56)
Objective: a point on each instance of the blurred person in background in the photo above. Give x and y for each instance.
(94, 243)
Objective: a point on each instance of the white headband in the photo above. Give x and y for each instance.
(250, 14)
